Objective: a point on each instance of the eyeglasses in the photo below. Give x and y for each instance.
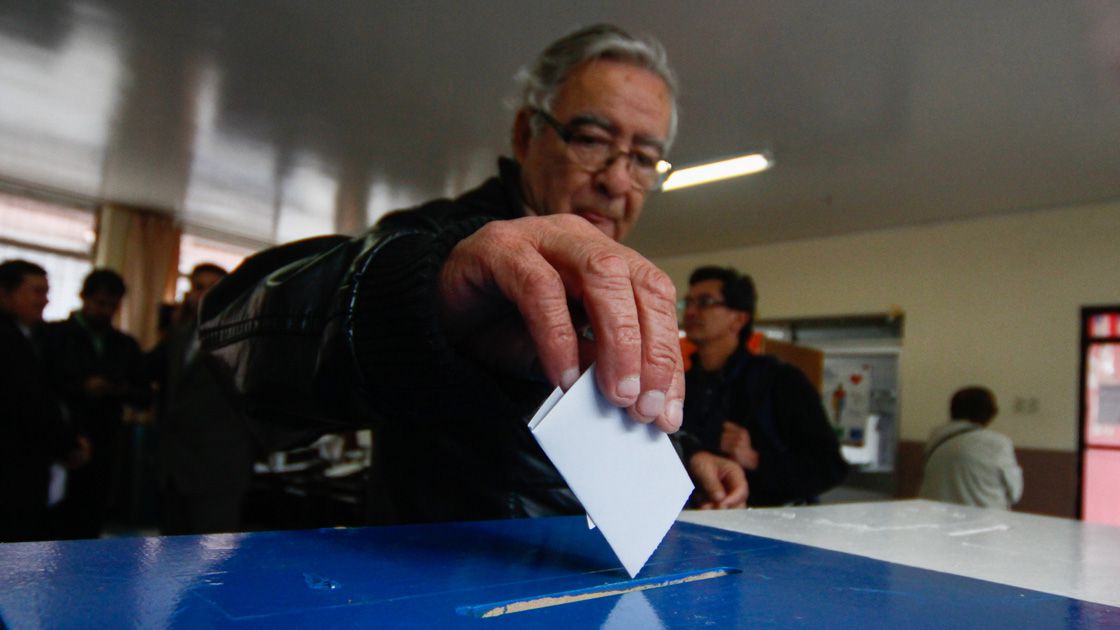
(593, 150)
(704, 302)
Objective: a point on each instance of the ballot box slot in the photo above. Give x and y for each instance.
(613, 589)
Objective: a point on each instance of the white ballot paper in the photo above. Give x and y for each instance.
(626, 474)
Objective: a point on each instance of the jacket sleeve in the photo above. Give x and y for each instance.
(331, 334)
(813, 463)
(31, 417)
(1010, 471)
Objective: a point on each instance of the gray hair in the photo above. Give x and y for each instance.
(540, 82)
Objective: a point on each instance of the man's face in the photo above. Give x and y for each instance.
(201, 282)
(99, 308)
(706, 318)
(632, 105)
(27, 301)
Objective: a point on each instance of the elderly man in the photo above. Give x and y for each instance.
(445, 325)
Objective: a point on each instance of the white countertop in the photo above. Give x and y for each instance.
(1043, 553)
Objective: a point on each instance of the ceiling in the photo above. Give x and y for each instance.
(261, 118)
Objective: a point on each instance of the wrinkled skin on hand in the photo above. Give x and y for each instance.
(513, 294)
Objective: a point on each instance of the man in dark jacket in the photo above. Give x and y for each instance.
(33, 433)
(446, 325)
(761, 412)
(205, 450)
(98, 370)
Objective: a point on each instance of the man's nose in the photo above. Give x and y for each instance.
(615, 177)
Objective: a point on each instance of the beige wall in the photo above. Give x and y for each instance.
(992, 301)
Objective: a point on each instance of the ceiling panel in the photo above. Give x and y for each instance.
(264, 118)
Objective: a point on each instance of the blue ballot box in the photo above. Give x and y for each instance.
(542, 573)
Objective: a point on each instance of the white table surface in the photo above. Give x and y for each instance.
(1042, 553)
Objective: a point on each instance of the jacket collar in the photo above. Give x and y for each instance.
(731, 367)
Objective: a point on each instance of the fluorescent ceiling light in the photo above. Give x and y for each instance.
(715, 171)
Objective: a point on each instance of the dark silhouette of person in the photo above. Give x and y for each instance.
(205, 449)
(33, 432)
(98, 370)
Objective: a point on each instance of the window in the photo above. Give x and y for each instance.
(58, 237)
(1100, 414)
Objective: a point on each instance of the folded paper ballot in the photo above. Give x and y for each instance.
(626, 474)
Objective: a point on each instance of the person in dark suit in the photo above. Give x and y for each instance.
(98, 370)
(33, 432)
(206, 451)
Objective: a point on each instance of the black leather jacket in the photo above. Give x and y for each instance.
(334, 333)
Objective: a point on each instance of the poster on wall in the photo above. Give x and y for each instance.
(846, 392)
(1102, 395)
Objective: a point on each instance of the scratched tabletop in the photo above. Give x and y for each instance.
(542, 573)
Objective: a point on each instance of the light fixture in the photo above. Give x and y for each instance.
(715, 171)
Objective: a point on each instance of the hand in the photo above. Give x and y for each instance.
(98, 387)
(721, 482)
(513, 293)
(736, 442)
(80, 455)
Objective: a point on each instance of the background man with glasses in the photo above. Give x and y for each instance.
(446, 325)
(763, 413)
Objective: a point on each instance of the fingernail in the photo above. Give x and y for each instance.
(675, 414)
(652, 403)
(629, 387)
(569, 378)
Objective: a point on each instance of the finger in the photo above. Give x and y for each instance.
(730, 438)
(611, 280)
(595, 270)
(608, 298)
(525, 278)
(736, 502)
(737, 490)
(671, 418)
(541, 299)
(709, 477)
(662, 376)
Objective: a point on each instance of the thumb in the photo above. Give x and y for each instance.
(709, 478)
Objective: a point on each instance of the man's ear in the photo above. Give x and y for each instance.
(522, 134)
(741, 320)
